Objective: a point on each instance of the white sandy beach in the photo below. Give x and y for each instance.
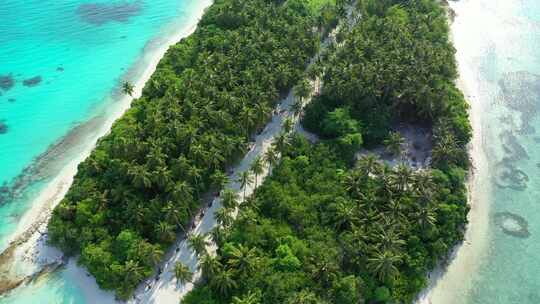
(449, 282)
(31, 252)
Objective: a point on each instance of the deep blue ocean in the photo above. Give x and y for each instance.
(61, 65)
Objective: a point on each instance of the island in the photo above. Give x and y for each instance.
(358, 198)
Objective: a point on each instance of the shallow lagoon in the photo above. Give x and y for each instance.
(498, 43)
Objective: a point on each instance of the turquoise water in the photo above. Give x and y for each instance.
(502, 51)
(61, 63)
(56, 288)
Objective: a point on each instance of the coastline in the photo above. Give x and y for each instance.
(453, 280)
(27, 251)
(463, 260)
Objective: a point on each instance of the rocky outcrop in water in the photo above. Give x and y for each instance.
(513, 149)
(6, 82)
(512, 224)
(3, 127)
(507, 175)
(520, 92)
(32, 82)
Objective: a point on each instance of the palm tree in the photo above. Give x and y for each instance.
(315, 70)
(162, 177)
(172, 214)
(153, 254)
(303, 297)
(384, 264)
(165, 232)
(262, 111)
(249, 298)
(140, 176)
(194, 174)
(303, 89)
(271, 157)
(216, 159)
(138, 214)
(245, 180)
(281, 142)
(353, 183)
(445, 149)
(396, 209)
(343, 214)
(155, 157)
(394, 143)
(229, 199)
(297, 108)
(219, 179)
(182, 273)
(389, 240)
(248, 116)
(198, 153)
(288, 125)
(198, 243)
(423, 182)
(128, 88)
(360, 239)
(219, 234)
(223, 217)
(182, 191)
(369, 163)
(223, 282)
(133, 272)
(257, 168)
(401, 177)
(283, 76)
(426, 217)
(209, 265)
(242, 258)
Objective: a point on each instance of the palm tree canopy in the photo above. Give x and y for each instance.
(198, 243)
(223, 282)
(182, 273)
(128, 88)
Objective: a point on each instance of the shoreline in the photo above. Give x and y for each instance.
(145, 67)
(28, 242)
(453, 280)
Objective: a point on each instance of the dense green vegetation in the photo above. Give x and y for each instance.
(319, 231)
(211, 91)
(326, 228)
(396, 64)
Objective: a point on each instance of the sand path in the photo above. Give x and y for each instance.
(166, 289)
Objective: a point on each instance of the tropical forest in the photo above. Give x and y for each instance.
(345, 214)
